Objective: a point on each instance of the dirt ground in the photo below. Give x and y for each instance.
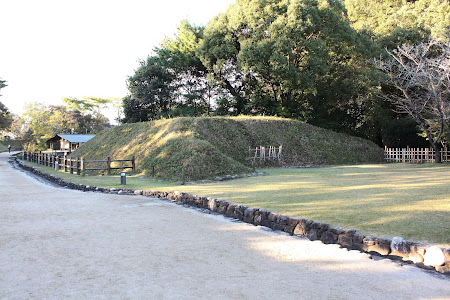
(62, 244)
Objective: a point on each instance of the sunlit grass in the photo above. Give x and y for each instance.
(412, 201)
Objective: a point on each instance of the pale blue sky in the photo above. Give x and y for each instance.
(52, 49)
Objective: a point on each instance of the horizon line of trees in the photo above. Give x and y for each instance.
(330, 63)
(310, 60)
(39, 122)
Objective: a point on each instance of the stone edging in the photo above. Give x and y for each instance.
(426, 257)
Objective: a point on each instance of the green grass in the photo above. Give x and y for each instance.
(385, 200)
(202, 148)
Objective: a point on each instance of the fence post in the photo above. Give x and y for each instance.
(108, 162)
(83, 168)
(78, 163)
(71, 165)
(133, 163)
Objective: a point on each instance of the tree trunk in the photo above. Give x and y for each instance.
(437, 153)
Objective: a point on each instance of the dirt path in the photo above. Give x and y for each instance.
(58, 244)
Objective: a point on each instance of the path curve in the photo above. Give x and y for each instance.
(62, 244)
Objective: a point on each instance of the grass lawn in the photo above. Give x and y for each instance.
(386, 200)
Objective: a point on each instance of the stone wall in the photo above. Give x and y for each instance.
(426, 257)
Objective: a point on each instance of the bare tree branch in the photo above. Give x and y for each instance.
(421, 74)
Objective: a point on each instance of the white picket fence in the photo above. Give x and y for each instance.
(414, 155)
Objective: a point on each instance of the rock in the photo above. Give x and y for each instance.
(350, 232)
(447, 255)
(369, 241)
(345, 240)
(289, 229)
(230, 210)
(313, 234)
(238, 213)
(266, 223)
(315, 225)
(400, 247)
(303, 227)
(212, 204)
(443, 269)
(277, 227)
(434, 256)
(328, 237)
(324, 226)
(381, 248)
(337, 230)
(257, 220)
(272, 217)
(416, 254)
(249, 214)
(292, 222)
(282, 220)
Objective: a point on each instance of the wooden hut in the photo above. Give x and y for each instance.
(68, 142)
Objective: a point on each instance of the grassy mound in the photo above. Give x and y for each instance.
(200, 148)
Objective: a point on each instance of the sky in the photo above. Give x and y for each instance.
(51, 49)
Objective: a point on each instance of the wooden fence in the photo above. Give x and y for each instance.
(263, 153)
(76, 165)
(414, 155)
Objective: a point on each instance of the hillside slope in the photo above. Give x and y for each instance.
(200, 148)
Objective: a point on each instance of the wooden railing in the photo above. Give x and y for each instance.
(263, 153)
(76, 165)
(414, 155)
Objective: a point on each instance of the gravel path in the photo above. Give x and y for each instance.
(63, 244)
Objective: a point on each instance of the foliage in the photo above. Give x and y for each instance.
(398, 17)
(40, 122)
(421, 74)
(171, 83)
(297, 59)
(301, 59)
(5, 116)
(201, 148)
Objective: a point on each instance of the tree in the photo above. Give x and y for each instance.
(384, 18)
(42, 122)
(172, 82)
(421, 74)
(87, 105)
(87, 113)
(297, 59)
(5, 116)
(152, 92)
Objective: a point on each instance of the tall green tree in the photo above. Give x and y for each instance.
(297, 59)
(401, 17)
(5, 115)
(173, 81)
(152, 91)
(88, 113)
(44, 121)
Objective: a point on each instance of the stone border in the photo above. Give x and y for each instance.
(426, 257)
